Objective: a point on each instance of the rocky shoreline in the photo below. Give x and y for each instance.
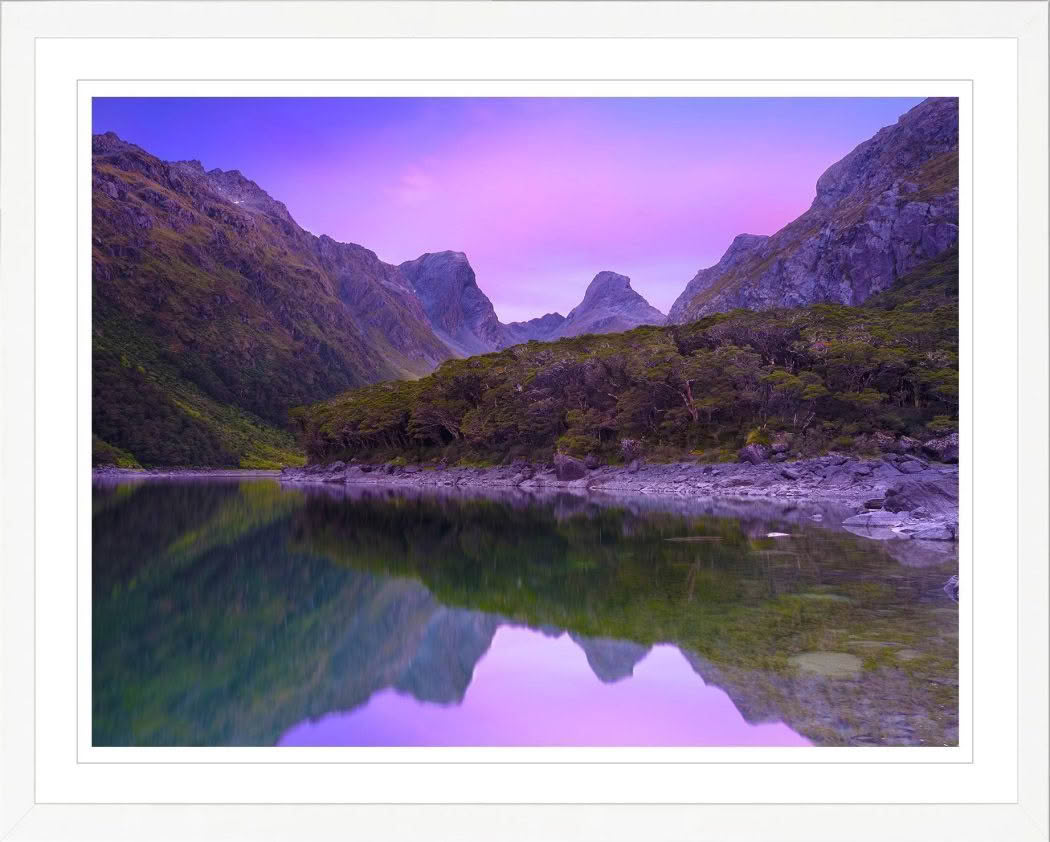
(894, 496)
(102, 472)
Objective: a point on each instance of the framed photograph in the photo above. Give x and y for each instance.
(525, 421)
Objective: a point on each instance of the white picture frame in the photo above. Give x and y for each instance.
(992, 55)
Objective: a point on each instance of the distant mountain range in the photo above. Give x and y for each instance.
(462, 316)
(214, 313)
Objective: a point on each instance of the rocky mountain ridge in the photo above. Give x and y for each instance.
(889, 205)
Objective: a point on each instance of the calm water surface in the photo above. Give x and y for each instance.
(249, 613)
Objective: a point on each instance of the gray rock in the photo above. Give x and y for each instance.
(787, 473)
(912, 466)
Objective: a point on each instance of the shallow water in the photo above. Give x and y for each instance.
(249, 613)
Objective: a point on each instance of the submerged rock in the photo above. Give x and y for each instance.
(935, 532)
(827, 664)
(876, 517)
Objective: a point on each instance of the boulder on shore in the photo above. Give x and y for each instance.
(936, 495)
(756, 454)
(567, 468)
(945, 448)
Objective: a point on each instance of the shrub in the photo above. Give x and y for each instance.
(942, 424)
(758, 436)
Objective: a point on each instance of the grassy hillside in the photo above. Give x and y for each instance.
(826, 376)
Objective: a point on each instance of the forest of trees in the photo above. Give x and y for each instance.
(829, 375)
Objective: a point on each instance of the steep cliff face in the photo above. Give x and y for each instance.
(889, 205)
(456, 309)
(609, 305)
(210, 302)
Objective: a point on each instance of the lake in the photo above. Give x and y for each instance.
(244, 612)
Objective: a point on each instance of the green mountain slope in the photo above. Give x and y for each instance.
(214, 313)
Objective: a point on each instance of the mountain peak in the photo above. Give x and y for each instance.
(458, 311)
(609, 305)
(608, 284)
(239, 190)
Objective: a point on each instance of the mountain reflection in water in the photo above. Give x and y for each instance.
(247, 613)
(533, 690)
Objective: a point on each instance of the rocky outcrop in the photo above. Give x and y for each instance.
(609, 305)
(889, 205)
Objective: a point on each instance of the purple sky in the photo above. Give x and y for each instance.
(541, 194)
